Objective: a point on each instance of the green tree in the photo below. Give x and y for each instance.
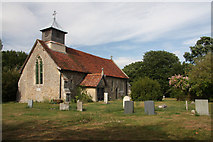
(160, 65)
(201, 48)
(12, 59)
(9, 84)
(132, 70)
(157, 65)
(201, 78)
(11, 63)
(146, 89)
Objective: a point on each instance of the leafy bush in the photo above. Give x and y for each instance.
(11, 63)
(157, 65)
(178, 94)
(82, 95)
(201, 77)
(10, 79)
(180, 87)
(146, 89)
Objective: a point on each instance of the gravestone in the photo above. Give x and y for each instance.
(202, 106)
(30, 103)
(149, 107)
(126, 98)
(79, 106)
(163, 98)
(64, 106)
(106, 98)
(129, 107)
(186, 105)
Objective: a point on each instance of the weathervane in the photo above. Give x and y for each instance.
(54, 15)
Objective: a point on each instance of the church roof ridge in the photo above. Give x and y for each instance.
(80, 61)
(76, 60)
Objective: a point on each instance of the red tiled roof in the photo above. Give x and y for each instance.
(91, 80)
(76, 60)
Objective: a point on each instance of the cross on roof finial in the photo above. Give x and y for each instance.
(54, 15)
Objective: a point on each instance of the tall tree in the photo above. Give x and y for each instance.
(160, 65)
(11, 63)
(201, 48)
(201, 77)
(12, 59)
(157, 65)
(132, 70)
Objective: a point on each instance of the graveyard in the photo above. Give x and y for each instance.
(105, 121)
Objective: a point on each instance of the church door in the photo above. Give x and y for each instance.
(100, 94)
(116, 93)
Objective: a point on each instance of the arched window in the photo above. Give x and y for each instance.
(39, 71)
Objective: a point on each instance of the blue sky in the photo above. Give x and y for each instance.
(124, 30)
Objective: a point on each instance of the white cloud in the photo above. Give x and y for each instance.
(18, 21)
(101, 23)
(180, 54)
(191, 42)
(122, 61)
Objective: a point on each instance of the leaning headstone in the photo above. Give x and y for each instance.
(186, 105)
(79, 106)
(202, 106)
(129, 107)
(149, 107)
(64, 106)
(106, 98)
(126, 98)
(30, 103)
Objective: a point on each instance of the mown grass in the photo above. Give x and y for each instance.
(102, 121)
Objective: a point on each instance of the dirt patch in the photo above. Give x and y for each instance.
(194, 125)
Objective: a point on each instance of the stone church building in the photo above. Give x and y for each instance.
(54, 71)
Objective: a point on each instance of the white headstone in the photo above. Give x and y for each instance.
(30, 103)
(202, 106)
(64, 106)
(126, 98)
(79, 106)
(163, 98)
(106, 98)
(186, 105)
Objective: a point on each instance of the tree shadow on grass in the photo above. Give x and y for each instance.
(117, 131)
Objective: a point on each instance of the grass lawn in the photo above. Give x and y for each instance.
(102, 121)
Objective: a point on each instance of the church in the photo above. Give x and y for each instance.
(54, 71)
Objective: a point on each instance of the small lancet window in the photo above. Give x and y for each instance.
(39, 71)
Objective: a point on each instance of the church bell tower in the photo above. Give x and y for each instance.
(54, 36)
(54, 32)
